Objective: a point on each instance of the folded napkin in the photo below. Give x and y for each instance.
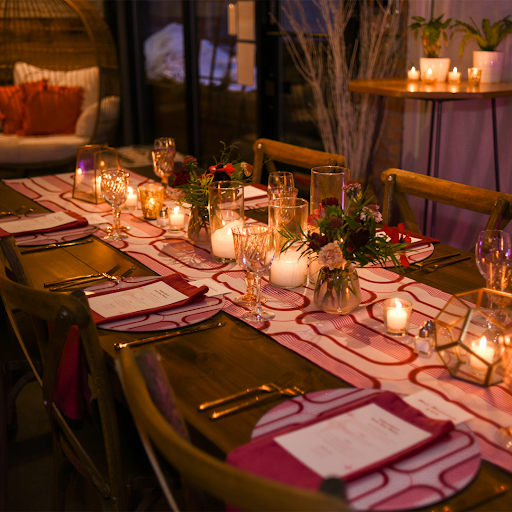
(80, 222)
(423, 240)
(192, 292)
(265, 457)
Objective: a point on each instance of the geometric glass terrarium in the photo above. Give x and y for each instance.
(470, 333)
(90, 162)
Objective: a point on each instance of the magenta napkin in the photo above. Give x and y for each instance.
(268, 459)
(80, 222)
(192, 292)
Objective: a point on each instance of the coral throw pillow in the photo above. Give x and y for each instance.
(12, 99)
(51, 109)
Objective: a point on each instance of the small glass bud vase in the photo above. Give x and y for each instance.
(337, 291)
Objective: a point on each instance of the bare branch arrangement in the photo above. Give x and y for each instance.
(345, 120)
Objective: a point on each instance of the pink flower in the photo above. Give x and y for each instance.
(247, 168)
(316, 217)
(330, 255)
(352, 189)
(371, 211)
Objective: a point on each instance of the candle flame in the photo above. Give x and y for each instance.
(176, 210)
(413, 69)
(483, 342)
(429, 71)
(398, 306)
(455, 70)
(130, 190)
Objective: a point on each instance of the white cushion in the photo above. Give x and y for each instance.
(87, 78)
(85, 123)
(38, 149)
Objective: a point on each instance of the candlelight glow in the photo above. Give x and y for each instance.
(483, 343)
(455, 70)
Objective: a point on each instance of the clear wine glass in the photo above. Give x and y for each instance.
(258, 250)
(163, 161)
(280, 180)
(114, 188)
(493, 246)
(249, 297)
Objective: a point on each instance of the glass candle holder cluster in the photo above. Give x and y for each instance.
(290, 269)
(470, 333)
(151, 200)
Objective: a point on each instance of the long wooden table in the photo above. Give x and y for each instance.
(204, 366)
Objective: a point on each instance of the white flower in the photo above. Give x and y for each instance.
(330, 255)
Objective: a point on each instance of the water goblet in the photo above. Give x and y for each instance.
(494, 246)
(163, 161)
(114, 188)
(258, 249)
(249, 297)
(280, 179)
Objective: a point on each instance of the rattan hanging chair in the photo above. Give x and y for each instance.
(67, 42)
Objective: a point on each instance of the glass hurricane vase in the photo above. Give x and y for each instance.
(337, 291)
(199, 225)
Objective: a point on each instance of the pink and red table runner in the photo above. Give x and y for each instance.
(353, 347)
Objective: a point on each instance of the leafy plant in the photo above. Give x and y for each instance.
(431, 33)
(492, 34)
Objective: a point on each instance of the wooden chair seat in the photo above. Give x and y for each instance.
(399, 183)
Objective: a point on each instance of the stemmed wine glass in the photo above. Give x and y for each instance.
(258, 247)
(249, 297)
(280, 180)
(114, 188)
(163, 160)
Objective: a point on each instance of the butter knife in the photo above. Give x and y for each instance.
(180, 332)
(56, 246)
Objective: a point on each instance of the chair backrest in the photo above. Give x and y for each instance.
(233, 486)
(65, 313)
(397, 183)
(267, 151)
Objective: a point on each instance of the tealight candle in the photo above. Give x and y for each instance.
(289, 270)
(454, 76)
(131, 200)
(177, 219)
(474, 75)
(223, 245)
(397, 313)
(429, 77)
(486, 351)
(413, 74)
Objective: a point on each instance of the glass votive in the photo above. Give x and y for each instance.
(131, 201)
(474, 76)
(289, 269)
(151, 200)
(429, 77)
(454, 77)
(397, 314)
(177, 218)
(413, 74)
(226, 206)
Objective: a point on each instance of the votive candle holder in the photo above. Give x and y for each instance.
(474, 76)
(397, 315)
(151, 200)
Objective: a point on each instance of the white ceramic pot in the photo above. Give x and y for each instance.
(491, 64)
(438, 65)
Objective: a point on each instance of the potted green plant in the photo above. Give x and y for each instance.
(487, 58)
(431, 33)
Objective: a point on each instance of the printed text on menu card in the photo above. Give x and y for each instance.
(52, 220)
(153, 295)
(352, 441)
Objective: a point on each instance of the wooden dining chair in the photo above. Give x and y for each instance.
(104, 446)
(267, 152)
(152, 403)
(399, 183)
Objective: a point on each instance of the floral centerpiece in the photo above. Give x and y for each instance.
(342, 239)
(190, 185)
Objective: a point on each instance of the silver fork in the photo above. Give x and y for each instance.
(420, 264)
(433, 268)
(105, 275)
(115, 268)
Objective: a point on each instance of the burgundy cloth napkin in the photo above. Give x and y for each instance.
(266, 458)
(80, 222)
(192, 292)
(424, 240)
(71, 393)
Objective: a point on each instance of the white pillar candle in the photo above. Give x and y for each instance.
(223, 245)
(483, 350)
(289, 270)
(413, 74)
(177, 218)
(454, 77)
(131, 198)
(396, 318)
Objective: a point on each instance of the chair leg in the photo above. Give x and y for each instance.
(62, 471)
(3, 446)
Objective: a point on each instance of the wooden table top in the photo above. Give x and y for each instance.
(204, 366)
(403, 88)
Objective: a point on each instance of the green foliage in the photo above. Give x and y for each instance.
(490, 38)
(431, 33)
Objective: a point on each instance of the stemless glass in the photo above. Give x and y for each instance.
(114, 188)
(249, 297)
(280, 180)
(328, 181)
(258, 250)
(492, 246)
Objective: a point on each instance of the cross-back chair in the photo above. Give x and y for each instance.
(267, 151)
(101, 447)
(398, 183)
(147, 389)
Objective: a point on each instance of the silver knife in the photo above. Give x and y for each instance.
(56, 246)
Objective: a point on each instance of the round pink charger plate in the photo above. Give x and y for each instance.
(433, 475)
(161, 321)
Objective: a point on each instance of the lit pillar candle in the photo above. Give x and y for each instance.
(131, 199)
(177, 219)
(223, 245)
(397, 318)
(485, 351)
(454, 77)
(413, 74)
(289, 270)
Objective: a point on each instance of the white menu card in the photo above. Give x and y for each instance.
(153, 295)
(51, 220)
(351, 441)
(252, 191)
